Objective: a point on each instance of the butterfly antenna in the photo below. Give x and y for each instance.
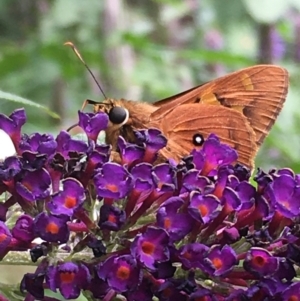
(86, 66)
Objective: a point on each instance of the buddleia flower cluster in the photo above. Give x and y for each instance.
(197, 230)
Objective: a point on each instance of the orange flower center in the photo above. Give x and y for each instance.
(167, 223)
(203, 209)
(67, 277)
(112, 218)
(3, 236)
(112, 187)
(123, 272)
(148, 247)
(217, 262)
(259, 261)
(52, 228)
(70, 202)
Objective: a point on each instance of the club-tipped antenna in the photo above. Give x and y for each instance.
(86, 66)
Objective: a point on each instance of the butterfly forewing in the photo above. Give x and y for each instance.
(257, 92)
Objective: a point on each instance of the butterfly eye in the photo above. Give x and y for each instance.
(198, 140)
(118, 115)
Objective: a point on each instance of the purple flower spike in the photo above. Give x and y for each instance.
(260, 262)
(153, 141)
(284, 193)
(35, 185)
(204, 208)
(5, 238)
(69, 199)
(12, 125)
(52, 228)
(112, 181)
(111, 217)
(41, 144)
(220, 260)
(121, 273)
(93, 123)
(23, 229)
(177, 224)
(69, 278)
(151, 247)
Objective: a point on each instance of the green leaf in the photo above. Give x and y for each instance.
(24, 101)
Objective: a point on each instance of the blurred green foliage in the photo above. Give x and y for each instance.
(145, 50)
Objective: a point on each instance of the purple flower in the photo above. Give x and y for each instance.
(192, 255)
(168, 217)
(10, 168)
(23, 229)
(33, 284)
(5, 238)
(291, 293)
(153, 141)
(284, 194)
(52, 228)
(121, 273)
(65, 144)
(111, 217)
(70, 198)
(192, 180)
(41, 144)
(96, 159)
(33, 161)
(215, 154)
(93, 124)
(34, 185)
(142, 292)
(151, 247)
(278, 47)
(130, 153)
(164, 178)
(98, 287)
(220, 260)
(142, 176)
(171, 290)
(12, 125)
(204, 208)
(69, 278)
(260, 262)
(112, 181)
